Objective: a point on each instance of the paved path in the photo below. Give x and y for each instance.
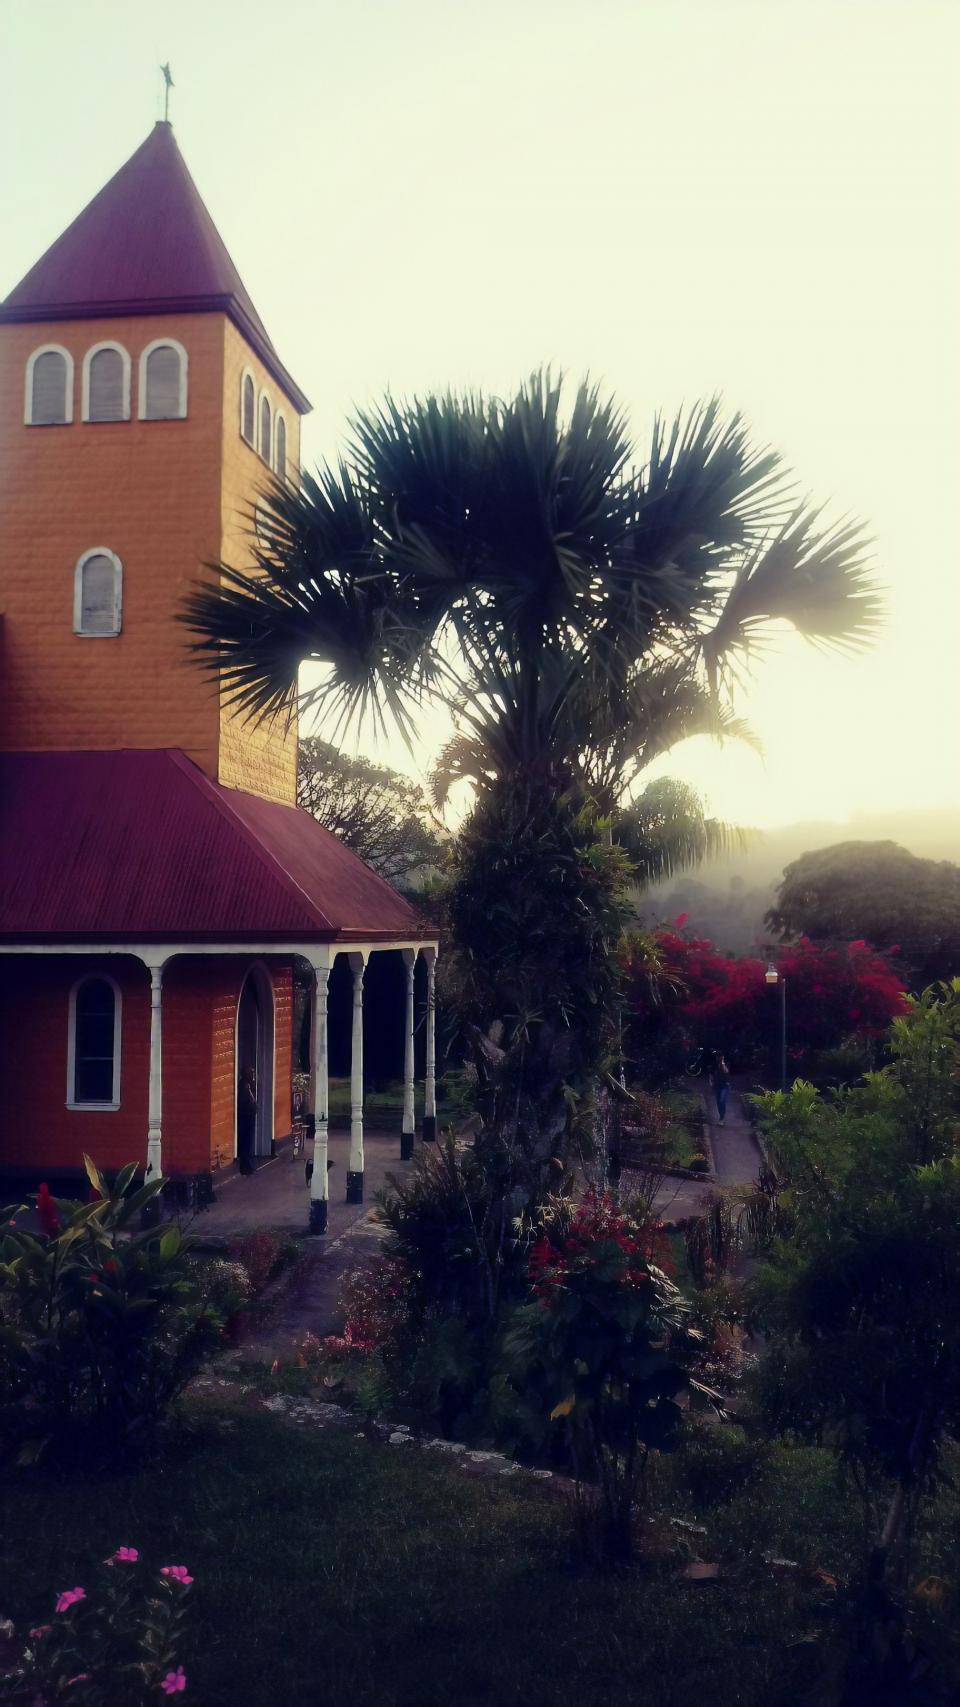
(736, 1153)
(277, 1195)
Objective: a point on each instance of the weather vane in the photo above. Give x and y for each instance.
(167, 86)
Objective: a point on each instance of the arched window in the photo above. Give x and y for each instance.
(163, 381)
(281, 447)
(106, 383)
(49, 390)
(93, 1044)
(98, 593)
(266, 436)
(248, 409)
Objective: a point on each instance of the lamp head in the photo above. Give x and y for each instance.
(772, 975)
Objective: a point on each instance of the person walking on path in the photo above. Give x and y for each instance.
(721, 1087)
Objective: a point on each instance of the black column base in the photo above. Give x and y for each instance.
(318, 1214)
(355, 1187)
(406, 1146)
(429, 1129)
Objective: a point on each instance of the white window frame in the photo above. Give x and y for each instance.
(94, 1107)
(248, 374)
(78, 629)
(264, 398)
(277, 418)
(47, 350)
(85, 381)
(161, 344)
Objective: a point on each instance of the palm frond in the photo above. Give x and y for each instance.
(818, 580)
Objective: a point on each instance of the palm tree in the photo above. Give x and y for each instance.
(577, 610)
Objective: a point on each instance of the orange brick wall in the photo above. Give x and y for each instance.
(282, 976)
(169, 497)
(200, 995)
(261, 758)
(150, 490)
(223, 1088)
(36, 1127)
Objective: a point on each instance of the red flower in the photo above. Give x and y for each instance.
(47, 1212)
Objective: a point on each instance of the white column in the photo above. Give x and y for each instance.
(408, 1125)
(318, 1180)
(430, 1084)
(355, 1168)
(154, 1096)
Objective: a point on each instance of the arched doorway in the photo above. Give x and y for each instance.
(255, 1054)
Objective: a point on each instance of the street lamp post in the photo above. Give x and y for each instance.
(774, 977)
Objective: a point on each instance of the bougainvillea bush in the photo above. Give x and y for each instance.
(717, 1001)
(116, 1643)
(101, 1324)
(608, 1345)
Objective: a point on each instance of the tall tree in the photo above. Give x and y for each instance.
(383, 816)
(880, 893)
(569, 600)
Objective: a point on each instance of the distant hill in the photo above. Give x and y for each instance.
(726, 899)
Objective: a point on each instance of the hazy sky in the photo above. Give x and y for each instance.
(677, 197)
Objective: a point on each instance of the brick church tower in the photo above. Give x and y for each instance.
(159, 887)
(142, 407)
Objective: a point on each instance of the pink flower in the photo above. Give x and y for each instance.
(174, 1682)
(40, 1630)
(123, 1556)
(69, 1597)
(180, 1574)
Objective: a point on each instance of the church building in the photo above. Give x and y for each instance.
(158, 883)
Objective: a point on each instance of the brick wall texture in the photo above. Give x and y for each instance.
(169, 498)
(200, 996)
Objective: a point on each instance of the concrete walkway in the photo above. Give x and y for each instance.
(278, 1196)
(736, 1153)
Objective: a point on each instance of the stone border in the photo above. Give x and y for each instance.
(320, 1413)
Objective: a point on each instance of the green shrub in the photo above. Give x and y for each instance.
(698, 1163)
(443, 1223)
(609, 1347)
(717, 1460)
(100, 1326)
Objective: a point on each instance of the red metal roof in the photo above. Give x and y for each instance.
(142, 846)
(144, 245)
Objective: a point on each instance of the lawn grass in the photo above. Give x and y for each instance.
(331, 1569)
(454, 1100)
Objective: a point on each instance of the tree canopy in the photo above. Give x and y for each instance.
(383, 816)
(881, 893)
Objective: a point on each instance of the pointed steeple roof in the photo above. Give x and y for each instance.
(144, 245)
